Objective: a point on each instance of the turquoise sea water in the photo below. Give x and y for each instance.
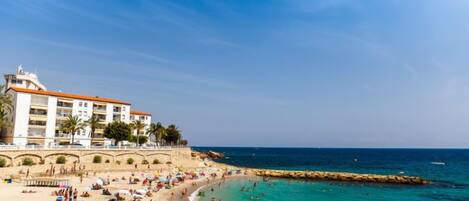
(450, 181)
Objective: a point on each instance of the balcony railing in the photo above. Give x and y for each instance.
(33, 111)
(64, 104)
(37, 123)
(62, 115)
(74, 147)
(98, 135)
(63, 135)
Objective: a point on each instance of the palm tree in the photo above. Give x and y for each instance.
(6, 108)
(138, 126)
(158, 130)
(93, 123)
(71, 125)
(173, 134)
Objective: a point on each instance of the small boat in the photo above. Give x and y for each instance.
(438, 163)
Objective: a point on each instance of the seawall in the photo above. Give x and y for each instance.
(111, 159)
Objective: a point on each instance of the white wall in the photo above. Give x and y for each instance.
(126, 113)
(147, 122)
(51, 119)
(83, 109)
(109, 112)
(21, 121)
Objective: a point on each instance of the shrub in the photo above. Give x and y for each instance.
(145, 162)
(156, 161)
(61, 160)
(3, 162)
(118, 162)
(107, 161)
(130, 161)
(28, 162)
(97, 159)
(42, 162)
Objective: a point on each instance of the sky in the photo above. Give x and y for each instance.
(271, 73)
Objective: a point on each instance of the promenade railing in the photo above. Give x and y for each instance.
(79, 147)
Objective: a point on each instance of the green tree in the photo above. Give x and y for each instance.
(157, 130)
(93, 123)
(173, 134)
(141, 139)
(6, 109)
(72, 125)
(138, 126)
(118, 131)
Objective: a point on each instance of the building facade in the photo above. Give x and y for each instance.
(39, 113)
(144, 117)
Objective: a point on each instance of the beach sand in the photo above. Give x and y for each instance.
(14, 191)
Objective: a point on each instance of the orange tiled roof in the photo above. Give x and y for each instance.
(140, 113)
(66, 95)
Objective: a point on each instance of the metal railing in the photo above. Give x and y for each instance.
(80, 147)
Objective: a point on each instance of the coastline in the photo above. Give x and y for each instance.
(185, 191)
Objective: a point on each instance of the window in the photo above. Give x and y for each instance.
(123, 116)
(123, 108)
(80, 104)
(17, 81)
(86, 104)
(79, 113)
(132, 117)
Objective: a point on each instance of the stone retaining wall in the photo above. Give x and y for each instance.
(44, 157)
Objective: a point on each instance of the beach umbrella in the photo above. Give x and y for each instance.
(163, 179)
(99, 182)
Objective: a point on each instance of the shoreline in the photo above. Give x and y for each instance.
(187, 190)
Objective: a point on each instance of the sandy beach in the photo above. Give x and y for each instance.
(119, 182)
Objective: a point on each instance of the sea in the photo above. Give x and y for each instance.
(448, 169)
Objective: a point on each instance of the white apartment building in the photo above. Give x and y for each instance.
(38, 113)
(140, 116)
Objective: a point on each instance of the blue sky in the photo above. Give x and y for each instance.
(260, 73)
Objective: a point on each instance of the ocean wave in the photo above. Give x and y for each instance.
(193, 196)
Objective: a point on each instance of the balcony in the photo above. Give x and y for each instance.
(36, 132)
(116, 117)
(98, 135)
(39, 112)
(37, 124)
(62, 135)
(40, 101)
(64, 105)
(117, 109)
(99, 131)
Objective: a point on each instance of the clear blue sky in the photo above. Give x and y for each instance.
(260, 73)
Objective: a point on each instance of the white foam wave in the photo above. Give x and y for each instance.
(194, 194)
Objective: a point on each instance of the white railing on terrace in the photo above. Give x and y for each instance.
(80, 147)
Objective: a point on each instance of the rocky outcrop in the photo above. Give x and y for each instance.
(209, 155)
(341, 176)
